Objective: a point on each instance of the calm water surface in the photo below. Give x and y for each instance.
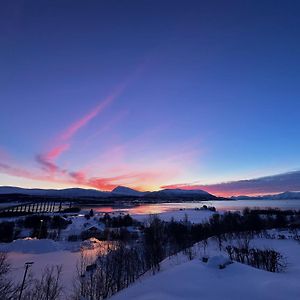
(230, 205)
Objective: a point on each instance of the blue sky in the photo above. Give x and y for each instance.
(155, 93)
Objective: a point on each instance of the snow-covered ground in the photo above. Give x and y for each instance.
(179, 278)
(67, 259)
(47, 252)
(192, 280)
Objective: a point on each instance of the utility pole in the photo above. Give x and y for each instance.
(40, 232)
(27, 265)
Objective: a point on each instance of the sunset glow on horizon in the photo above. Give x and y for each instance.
(188, 98)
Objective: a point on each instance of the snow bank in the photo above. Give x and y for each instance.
(217, 261)
(29, 245)
(193, 280)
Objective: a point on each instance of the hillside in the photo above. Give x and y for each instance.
(192, 280)
(119, 193)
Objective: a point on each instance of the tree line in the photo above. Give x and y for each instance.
(128, 260)
(124, 264)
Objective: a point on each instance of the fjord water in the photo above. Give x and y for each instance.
(228, 205)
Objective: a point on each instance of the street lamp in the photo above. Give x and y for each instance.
(27, 265)
(40, 232)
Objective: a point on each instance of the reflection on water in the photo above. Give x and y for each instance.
(229, 205)
(93, 248)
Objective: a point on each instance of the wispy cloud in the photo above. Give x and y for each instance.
(63, 141)
(74, 127)
(47, 159)
(134, 162)
(269, 184)
(107, 126)
(144, 176)
(14, 171)
(133, 179)
(56, 151)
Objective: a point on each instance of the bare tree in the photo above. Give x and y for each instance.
(154, 244)
(48, 287)
(7, 289)
(267, 259)
(110, 273)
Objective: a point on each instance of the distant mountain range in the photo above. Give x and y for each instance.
(280, 196)
(68, 193)
(120, 191)
(181, 194)
(126, 192)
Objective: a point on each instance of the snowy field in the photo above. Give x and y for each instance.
(192, 280)
(47, 252)
(65, 258)
(179, 278)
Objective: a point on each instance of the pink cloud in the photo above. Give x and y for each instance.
(4, 155)
(56, 151)
(112, 182)
(14, 171)
(64, 139)
(17, 171)
(47, 160)
(73, 128)
(63, 143)
(79, 176)
(46, 164)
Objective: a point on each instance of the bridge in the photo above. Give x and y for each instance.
(36, 207)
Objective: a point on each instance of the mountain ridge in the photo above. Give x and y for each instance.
(293, 195)
(126, 191)
(116, 192)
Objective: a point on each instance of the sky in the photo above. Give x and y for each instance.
(150, 94)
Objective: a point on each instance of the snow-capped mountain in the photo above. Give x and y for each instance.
(181, 193)
(126, 191)
(284, 196)
(117, 192)
(69, 193)
(280, 196)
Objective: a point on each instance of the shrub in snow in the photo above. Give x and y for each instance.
(218, 262)
(281, 237)
(205, 259)
(267, 259)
